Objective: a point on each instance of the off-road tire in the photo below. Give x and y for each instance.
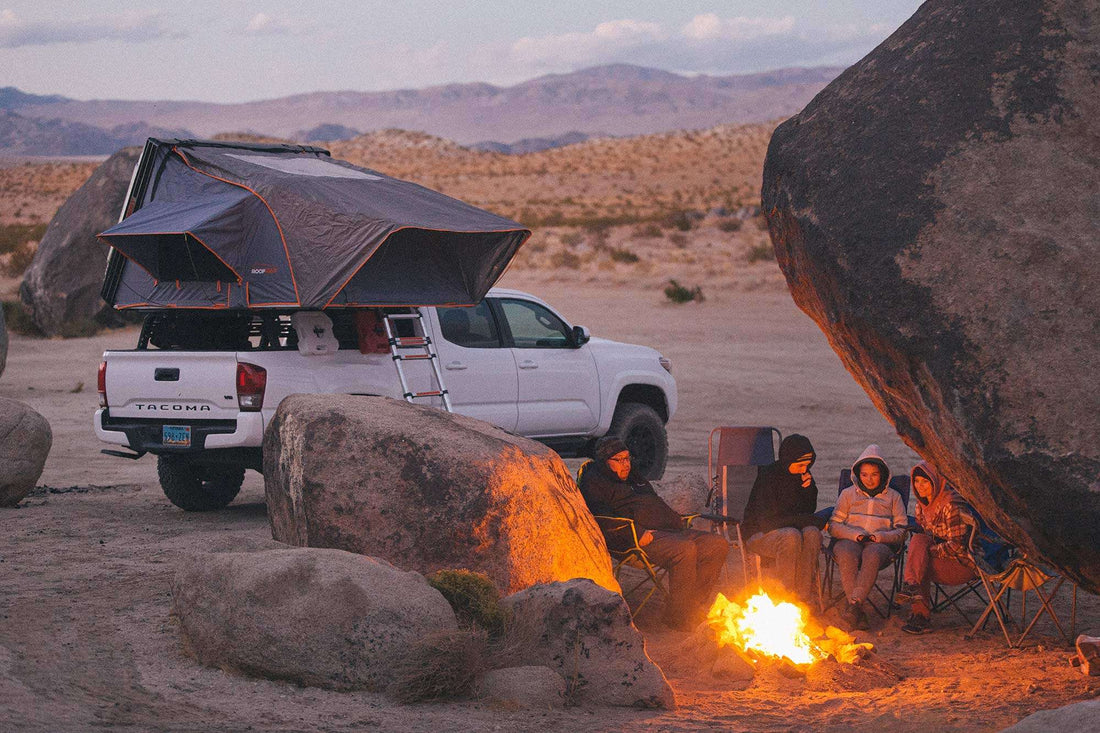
(641, 428)
(197, 488)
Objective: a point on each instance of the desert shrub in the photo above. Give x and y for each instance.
(678, 219)
(677, 293)
(15, 236)
(473, 597)
(81, 328)
(18, 320)
(679, 239)
(572, 239)
(439, 665)
(17, 262)
(564, 258)
(623, 255)
(760, 253)
(646, 231)
(729, 224)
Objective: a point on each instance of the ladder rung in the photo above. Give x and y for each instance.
(432, 393)
(408, 342)
(412, 357)
(403, 316)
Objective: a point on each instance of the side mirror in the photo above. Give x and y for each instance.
(581, 336)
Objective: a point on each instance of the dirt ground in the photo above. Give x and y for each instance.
(86, 638)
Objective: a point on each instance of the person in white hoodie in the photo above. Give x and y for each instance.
(868, 528)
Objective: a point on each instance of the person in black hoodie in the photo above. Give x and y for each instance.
(779, 519)
(693, 559)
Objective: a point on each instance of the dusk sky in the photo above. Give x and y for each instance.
(234, 51)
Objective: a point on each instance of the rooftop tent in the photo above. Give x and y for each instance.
(229, 225)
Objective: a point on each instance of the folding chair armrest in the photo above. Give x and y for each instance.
(612, 525)
(717, 518)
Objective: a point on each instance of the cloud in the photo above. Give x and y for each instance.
(707, 43)
(131, 27)
(262, 24)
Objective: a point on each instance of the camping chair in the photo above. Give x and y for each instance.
(901, 485)
(1024, 576)
(634, 556)
(983, 546)
(733, 461)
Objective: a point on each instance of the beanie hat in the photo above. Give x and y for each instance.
(608, 446)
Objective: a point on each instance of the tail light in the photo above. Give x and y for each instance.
(101, 383)
(251, 383)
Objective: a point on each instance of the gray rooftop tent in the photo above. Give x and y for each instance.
(235, 225)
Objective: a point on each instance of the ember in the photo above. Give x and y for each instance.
(762, 628)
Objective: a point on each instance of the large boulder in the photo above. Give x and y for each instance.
(25, 440)
(1081, 716)
(3, 341)
(585, 634)
(934, 210)
(62, 284)
(427, 490)
(324, 618)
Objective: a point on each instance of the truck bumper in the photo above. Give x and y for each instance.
(144, 435)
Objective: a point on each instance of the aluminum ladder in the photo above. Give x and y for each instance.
(426, 352)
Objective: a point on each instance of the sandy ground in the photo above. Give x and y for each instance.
(86, 639)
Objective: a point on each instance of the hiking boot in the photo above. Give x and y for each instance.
(851, 613)
(909, 592)
(862, 622)
(917, 624)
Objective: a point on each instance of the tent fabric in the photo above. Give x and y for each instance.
(223, 225)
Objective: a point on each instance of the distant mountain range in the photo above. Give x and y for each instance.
(616, 100)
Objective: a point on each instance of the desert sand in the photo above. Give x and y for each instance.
(87, 639)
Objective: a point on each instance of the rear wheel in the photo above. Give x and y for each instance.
(194, 487)
(641, 428)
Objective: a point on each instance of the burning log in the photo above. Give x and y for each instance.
(763, 629)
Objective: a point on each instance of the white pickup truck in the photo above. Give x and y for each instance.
(202, 385)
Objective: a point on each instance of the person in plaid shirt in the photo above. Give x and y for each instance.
(938, 551)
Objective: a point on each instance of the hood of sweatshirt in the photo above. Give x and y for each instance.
(793, 447)
(871, 454)
(938, 482)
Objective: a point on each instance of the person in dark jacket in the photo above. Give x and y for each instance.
(693, 559)
(780, 523)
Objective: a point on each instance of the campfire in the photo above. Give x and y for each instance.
(762, 628)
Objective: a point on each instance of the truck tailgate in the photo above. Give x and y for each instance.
(191, 385)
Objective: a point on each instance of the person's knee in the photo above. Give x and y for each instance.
(811, 536)
(788, 539)
(713, 546)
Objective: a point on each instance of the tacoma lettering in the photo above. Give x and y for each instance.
(173, 408)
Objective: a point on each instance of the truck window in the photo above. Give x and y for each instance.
(474, 328)
(534, 326)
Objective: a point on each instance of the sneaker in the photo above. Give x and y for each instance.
(909, 592)
(917, 624)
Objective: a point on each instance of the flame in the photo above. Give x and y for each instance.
(765, 627)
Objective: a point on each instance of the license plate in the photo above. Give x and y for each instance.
(176, 435)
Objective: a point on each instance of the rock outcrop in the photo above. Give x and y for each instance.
(61, 287)
(585, 634)
(1081, 716)
(934, 211)
(25, 440)
(324, 618)
(426, 490)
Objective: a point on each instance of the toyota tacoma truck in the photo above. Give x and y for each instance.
(201, 386)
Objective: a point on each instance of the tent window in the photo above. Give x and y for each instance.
(182, 257)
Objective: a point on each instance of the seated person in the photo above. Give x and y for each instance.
(693, 559)
(779, 518)
(938, 551)
(868, 528)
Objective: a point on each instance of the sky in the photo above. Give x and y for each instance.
(237, 51)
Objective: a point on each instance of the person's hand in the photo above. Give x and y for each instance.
(863, 539)
(806, 479)
(872, 538)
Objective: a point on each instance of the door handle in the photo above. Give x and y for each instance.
(455, 366)
(528, 364)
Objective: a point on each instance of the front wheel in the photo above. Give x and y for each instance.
(195, 487)
(641, 428)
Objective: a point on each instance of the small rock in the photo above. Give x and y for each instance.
(521, 688)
